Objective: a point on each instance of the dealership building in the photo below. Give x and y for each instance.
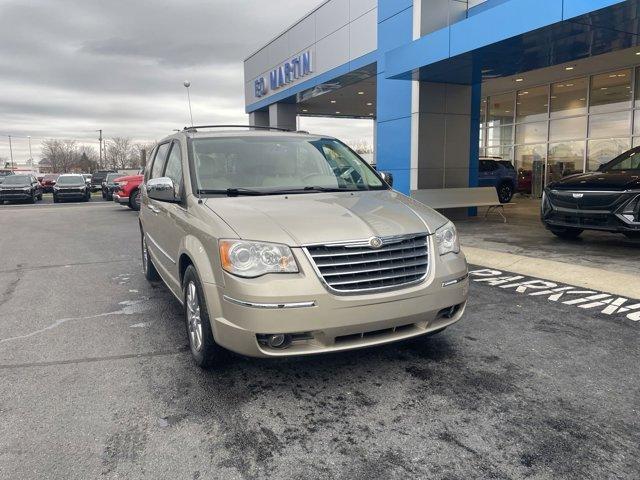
(550, 85)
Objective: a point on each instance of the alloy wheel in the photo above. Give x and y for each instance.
(194, 322)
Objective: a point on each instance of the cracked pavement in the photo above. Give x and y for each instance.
(520, 388)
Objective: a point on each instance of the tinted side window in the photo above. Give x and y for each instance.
(632, 162)
(174, 167)
(159, 161)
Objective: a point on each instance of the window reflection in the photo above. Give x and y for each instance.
(568, 128)
(532, 104)
(569, 98)
(610, 91)
(501, 109)
(531, 132)
(500, 136)
(565, 158)
(610, 124)
(604, 150)
(530, 160)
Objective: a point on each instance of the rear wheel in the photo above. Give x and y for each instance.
(505, 192)
(148, 268)
(205, 351)
(567, 233)
(134, 200)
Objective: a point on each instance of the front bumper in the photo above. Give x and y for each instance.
(14, 196)
(319, 321)
(120, 199)
(609, 216)
(71, 196)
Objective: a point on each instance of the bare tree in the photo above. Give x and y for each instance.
(63, 154)
(118, 152)
(141, 151)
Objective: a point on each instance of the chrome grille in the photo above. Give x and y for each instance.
(357, 267)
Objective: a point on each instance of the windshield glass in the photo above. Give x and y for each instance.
(272, 164)
(71, 180)
(50, 177)
(17, 180)
(626, 161)
(112, 176)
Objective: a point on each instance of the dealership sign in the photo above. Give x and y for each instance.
(566, 294)
(293, 69)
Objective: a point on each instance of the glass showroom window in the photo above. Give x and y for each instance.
(610, 91)
(569, 98)
(565, 158)
(530, 162)
(603, 150)
(532, 104)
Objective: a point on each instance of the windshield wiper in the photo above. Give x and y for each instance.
(234, 192)
(312, 189)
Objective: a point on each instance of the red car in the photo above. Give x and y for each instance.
(48, 181)
(128, 192)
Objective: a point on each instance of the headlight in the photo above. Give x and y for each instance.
(56, 188)
(26, 189)
(252, 259)
(447, 239)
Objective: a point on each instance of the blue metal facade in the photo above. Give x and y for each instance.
(498, 38)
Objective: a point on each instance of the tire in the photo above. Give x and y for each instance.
(204, 350)
(148, 268)
(40, 197)
(505, 192)
(567, 233)
(104, 195)
(134, 200)
(55, 199)
(32, 200)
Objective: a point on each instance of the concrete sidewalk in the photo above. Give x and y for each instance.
(602, 261)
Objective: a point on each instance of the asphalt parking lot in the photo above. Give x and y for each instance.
(96, 380)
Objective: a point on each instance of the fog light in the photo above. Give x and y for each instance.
(279, 340)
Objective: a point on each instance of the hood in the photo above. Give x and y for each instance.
(304, 219)
(599, 181)
(129, 178)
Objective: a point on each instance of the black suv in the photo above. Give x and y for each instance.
(608, 199)
(20, 188)
(109, 185)
(97, 178)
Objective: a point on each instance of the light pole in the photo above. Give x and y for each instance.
(30, 154)
(100, 140)
(11, 153)
(187, 84)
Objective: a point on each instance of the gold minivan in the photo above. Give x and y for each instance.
(285, 243)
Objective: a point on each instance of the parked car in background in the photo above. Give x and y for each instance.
(608, 199)
(5, 173)
(87, 178)
(500, 174)
(97, 178)
(20, 188)
(128, 191)
(109, 185)
(281, 244)
(48, 182)
(71, 187)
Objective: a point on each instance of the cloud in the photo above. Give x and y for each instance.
(70, 67)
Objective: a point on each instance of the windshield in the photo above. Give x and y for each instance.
(50, 177)
(17, 180)
(626, 161)
(71, 180)
(112, 176)
(268, 164)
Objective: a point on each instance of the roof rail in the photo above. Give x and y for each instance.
(254, 127)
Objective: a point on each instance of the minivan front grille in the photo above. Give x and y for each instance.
(357, 267)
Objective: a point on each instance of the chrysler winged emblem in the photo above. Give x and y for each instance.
(375, 242)
(578, 195)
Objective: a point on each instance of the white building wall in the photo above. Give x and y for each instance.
(337, 32)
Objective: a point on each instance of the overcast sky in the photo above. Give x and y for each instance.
(70, 67)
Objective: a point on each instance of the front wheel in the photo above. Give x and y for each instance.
(205, 351)
(148, 268)
(567, 233)
(134, 200)
(505, 192)
(55, 199)
(33, 198)
(40, 197)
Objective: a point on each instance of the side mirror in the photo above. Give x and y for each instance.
(387, 177)
(162, 189)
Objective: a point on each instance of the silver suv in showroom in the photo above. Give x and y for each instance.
(283, 243)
